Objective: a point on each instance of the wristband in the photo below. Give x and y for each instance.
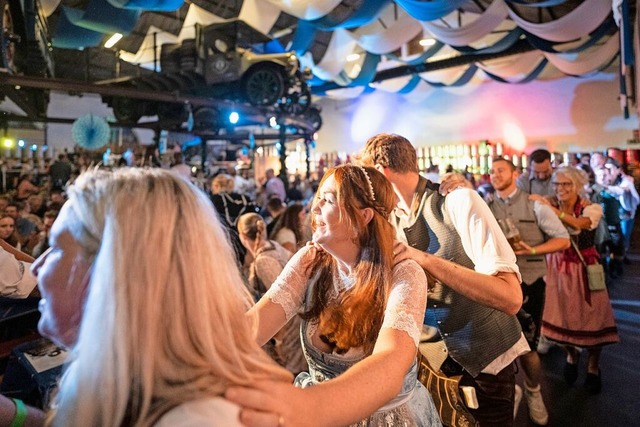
(21, 414)
(533, 251)
(561, 215)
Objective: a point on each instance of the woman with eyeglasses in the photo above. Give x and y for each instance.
(575, 316)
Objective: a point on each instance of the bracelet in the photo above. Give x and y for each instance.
(561, 215)
(21, 414)
(533, 251)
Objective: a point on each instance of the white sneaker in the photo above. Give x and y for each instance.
(543, 345)
(537, 411)
(517, 400)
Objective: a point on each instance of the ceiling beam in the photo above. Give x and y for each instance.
(64, 85)
(213, 133)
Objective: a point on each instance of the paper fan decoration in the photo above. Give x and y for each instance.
(90, 132)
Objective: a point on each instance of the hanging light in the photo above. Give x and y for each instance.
(113, 40)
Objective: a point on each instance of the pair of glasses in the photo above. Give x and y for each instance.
(562, 184)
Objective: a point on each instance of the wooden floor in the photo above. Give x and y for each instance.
(619, 403)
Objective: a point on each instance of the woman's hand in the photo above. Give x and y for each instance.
(272, 404)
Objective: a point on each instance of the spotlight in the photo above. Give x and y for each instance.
(273, 122)
(8, 143)
(234, 117)
(21, 143)
(34, 147)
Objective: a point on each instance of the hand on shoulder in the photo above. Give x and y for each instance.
(452, 181)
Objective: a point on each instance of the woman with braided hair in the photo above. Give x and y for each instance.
(269, 258)
(361, 317)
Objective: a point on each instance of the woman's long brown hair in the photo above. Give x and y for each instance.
(355, 318)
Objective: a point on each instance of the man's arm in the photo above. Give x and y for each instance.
(34, 417)
(500, 290)
(20, 256)
(551, 226)
(495, 282)
(376, 379)
(554, 244)
(16, 281)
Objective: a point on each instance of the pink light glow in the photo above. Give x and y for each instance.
(514, 136)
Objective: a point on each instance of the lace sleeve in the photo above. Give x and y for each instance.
(407, 300)
(267, 269)
(291, 285)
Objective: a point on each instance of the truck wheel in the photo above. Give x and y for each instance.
(263, 85)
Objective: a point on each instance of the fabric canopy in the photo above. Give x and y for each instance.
(381, 32)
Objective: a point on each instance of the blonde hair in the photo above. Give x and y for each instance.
(577, 176)
(254, 228)
(163, 323)
(222, 183)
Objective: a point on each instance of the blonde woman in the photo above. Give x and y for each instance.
(575, 316)
(229, 204)
(156, 330)
(269, 258)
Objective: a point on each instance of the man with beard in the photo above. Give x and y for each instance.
(541, 232)
(538, 179)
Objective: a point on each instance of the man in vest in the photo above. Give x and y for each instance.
(538, 179)
(476, 290)
(541, 232)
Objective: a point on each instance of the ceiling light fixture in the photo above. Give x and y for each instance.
(427, 42)
(353, 57)
(113, 40)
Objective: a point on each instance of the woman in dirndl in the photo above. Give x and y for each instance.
(575, 316)
(361, 317)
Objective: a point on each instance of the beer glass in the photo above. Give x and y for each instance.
(511, 232)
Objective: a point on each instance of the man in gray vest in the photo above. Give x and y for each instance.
(538, 179)
(475, 292)
(540, 232)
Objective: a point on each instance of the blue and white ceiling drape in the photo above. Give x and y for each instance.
(584, 41)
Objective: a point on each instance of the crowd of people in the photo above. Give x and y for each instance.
(265, 305)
